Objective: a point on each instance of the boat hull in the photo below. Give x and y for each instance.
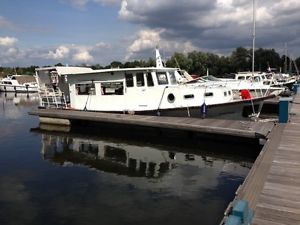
(240, 109)
(17, 88)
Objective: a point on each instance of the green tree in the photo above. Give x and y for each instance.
(241, 59)
(180, 60)
(116, 64)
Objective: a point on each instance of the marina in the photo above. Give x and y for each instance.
(149, 112)
(267, 192)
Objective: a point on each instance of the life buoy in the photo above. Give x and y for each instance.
(245, 94)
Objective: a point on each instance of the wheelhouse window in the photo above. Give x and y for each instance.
(140, 82)
(112, 88)
(129, 80)
(85, 89)
(150, 82)
(162, 78)
(172, 78)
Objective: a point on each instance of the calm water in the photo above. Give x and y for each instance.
(91, 178)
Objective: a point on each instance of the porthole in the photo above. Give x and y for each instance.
(171, 98)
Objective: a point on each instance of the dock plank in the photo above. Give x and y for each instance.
(233, 128)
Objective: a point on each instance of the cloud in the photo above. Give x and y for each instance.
(8, 41)
(77, 53)
(60, 53)
(219, 25)
(147, 40)
(83, 57)
(9, 52)
(102, 45)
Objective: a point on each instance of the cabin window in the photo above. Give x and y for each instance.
(172, 78)
(7, 82)
(229, 92)
(209, 94)
(89, 148)
(241, 78)
(225, 94)
(114, 153)
(112, 88)
(129, 80)
(150, 82)
(256, 79)
(188, 96)
(140, 82)
(85, 89)
(162, 78)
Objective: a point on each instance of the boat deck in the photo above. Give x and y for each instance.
(243, 129)
(272, 187)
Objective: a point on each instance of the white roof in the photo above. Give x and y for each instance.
(69, 70)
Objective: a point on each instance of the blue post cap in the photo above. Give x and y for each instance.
(286, 99)
(233, 220)
(241, 209)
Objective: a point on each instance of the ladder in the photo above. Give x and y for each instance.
(51, 98)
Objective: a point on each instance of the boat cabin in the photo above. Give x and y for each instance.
(127, 90)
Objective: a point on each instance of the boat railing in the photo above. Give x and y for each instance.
(52, 98)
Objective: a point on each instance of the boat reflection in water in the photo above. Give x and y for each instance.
(123, 158)
(23, 99)
(126, 181)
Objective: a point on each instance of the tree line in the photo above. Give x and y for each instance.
(197, 62)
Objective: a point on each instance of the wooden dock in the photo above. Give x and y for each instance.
(272, 187)
(233, 128)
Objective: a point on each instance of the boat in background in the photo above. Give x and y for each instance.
(256, 85)
(18, 83)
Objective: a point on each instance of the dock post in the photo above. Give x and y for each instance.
(241, 214)
(284, 109)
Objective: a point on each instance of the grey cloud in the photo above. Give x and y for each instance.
(218, 25)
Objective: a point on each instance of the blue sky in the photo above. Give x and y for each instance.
(75, 32)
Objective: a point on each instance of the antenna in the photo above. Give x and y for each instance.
(285, 57)
(253, 38)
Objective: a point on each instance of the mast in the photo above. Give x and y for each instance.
(285, 57)
(253, 37)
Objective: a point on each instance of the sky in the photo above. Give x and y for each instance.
(77, 32)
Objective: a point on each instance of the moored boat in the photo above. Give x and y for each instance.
(18, 83)
(150, 91)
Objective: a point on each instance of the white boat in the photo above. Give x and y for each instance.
(150, 91)
(18, 83)
(257, 85)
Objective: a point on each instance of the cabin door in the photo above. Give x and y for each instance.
(142, 91)
(136, 92)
